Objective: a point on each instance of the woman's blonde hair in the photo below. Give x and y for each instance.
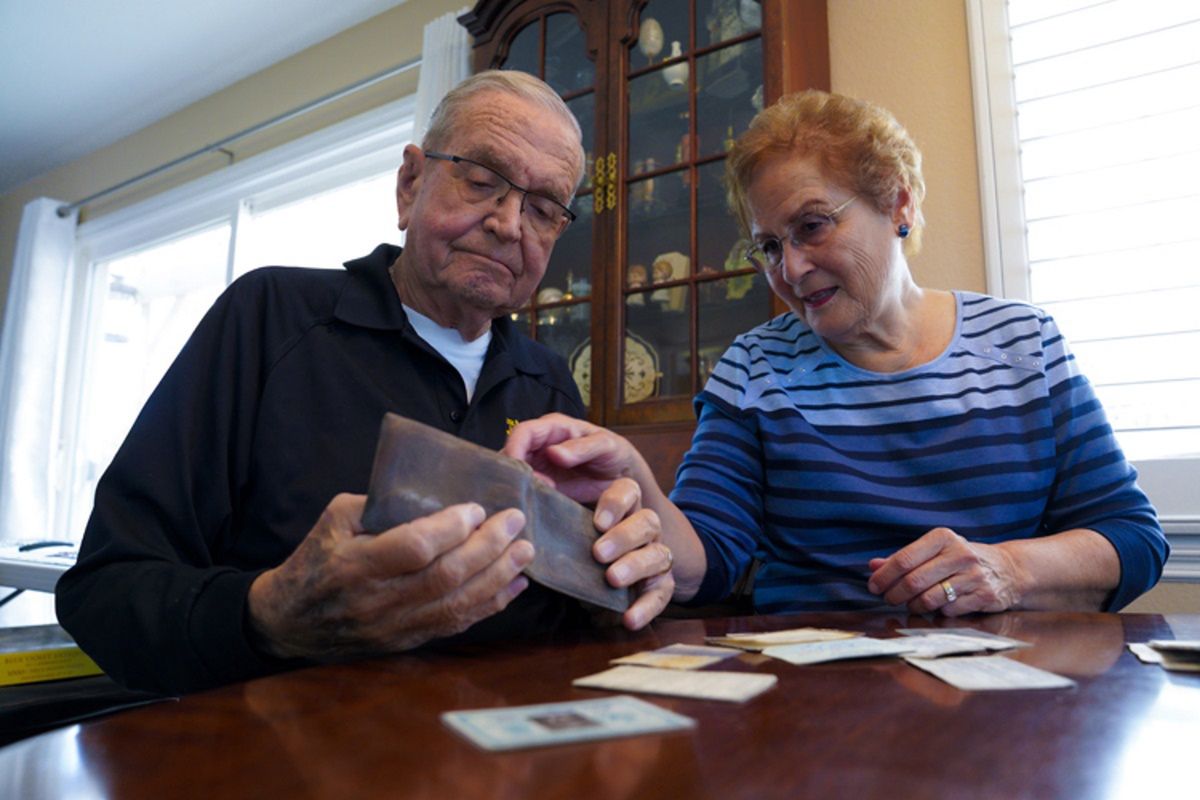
(856, 143)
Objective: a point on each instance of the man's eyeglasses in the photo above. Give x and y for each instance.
(812, 229)
(480, 185)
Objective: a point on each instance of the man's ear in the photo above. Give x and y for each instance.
(408, 183)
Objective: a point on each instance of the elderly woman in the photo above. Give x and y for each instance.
(881, 444)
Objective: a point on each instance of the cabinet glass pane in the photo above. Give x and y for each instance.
(659, 226)
(663, 29)
(728, 307)
(568, 68)
(658, 118)
(570, 270)
(720, 20)
(523, 53)
(657, 351)
(566, 330)
(729, 93)
(719, 248)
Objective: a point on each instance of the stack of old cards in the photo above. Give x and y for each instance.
(1177, 655)
(562, 723)
(674, 670)
(925, 649)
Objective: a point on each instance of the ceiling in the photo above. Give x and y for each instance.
(78, 75)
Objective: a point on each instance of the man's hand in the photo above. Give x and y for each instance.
(345, 592)
(631, 544)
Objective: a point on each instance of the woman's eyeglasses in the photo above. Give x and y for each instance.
(811, 229)
(480, 185)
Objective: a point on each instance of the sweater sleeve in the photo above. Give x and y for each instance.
(147, 598)
(1095, 487)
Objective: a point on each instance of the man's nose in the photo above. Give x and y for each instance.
(505, 219)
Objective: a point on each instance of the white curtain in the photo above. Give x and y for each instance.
(445, 52)
(34, 321)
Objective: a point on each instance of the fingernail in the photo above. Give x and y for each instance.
(522, 556)
(605, 551)
(514, 523)
(475, 514)
(604, 519)
(620, 574)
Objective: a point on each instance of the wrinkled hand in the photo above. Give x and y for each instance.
(578, 458)
(942, 571)
(631, 544)
(345, 592)
(593, 465)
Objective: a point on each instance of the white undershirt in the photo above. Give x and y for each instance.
(467, 357)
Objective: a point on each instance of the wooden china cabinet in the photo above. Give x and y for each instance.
(648, 287)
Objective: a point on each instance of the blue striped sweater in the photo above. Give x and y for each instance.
(814, 466)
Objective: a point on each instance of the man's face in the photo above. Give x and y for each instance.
(465, 264)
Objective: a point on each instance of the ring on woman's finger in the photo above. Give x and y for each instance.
(951, 595)
(670, 558)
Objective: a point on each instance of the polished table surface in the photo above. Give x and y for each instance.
(857, 729)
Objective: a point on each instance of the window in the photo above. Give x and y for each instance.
(1087, 112)
(148, 273)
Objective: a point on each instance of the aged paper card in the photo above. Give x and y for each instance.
(989, 673)
(561, 723)
(735, 687)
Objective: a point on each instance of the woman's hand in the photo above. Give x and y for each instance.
(576, 457)
(646, 540)
(942, 571)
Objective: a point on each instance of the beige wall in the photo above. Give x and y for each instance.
(912, 58)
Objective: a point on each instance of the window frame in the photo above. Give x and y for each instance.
(364, 145)
(1170, 483)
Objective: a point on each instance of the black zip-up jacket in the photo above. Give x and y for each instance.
(272, 408)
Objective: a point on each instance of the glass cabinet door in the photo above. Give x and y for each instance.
(693, 80)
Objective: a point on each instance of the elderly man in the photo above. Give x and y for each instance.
(202, 565)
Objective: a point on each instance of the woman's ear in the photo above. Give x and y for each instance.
(902, 209)
(408, 183)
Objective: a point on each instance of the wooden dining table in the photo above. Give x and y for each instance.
(867, 728)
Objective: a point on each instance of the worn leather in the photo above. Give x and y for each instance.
(419, 470)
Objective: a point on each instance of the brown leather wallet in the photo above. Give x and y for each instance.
(419, 470)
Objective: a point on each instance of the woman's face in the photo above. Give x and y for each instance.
(844, 285)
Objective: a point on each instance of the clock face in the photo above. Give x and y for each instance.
(641, 370)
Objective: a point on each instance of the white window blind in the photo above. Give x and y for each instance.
(1108, 108)
(1088, 118)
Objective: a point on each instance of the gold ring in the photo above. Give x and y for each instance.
(670, 558)
(951, 595)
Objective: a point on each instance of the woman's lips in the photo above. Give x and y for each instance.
(818, 299)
